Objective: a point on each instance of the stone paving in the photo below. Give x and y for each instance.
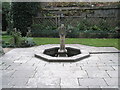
(20, 69)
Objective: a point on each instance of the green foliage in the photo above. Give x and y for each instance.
(5, 12)
(106, 42)
(83, 25)
(4, 44)
(44, 30)
(5, 7)
(27, 42)
(95, 27)
(83, 30)
(4, 22)
(7, 17)
(103, 25)
(72, 32)
(16, 40)
(23, 12)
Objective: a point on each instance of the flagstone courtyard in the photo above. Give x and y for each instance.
(21, 69)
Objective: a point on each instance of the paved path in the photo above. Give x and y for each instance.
(20, 69)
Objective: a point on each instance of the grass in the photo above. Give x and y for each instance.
(84, 41)
(6, 38)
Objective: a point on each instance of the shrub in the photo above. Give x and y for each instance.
(18, 41)
(39, 30)
(23, 13)
(98, 34)
(83, 29)
(72, 32)
(6, 44)
(83, 25)
(95, 27)
(104, 25)
(27, 42)
(16, 38)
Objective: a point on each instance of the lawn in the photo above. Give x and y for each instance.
(84, 41)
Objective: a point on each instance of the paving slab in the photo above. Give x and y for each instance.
(20, 69)
(18, 82)
(106, 68)
(69, 82)
(92, 82)
(48, 83)
(113, 74)
(6, 81)
(22, 74)
(115, 67)
(7, 73)
(97, 74)
(90, 68)
(111, 81)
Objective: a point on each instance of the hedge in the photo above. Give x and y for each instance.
(38, 30)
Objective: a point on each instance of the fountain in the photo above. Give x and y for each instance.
(62, 53)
